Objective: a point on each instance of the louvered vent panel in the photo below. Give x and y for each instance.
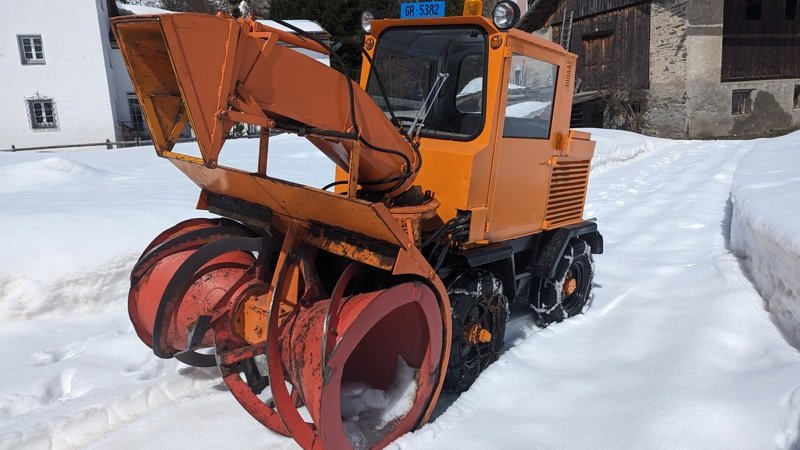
(567, 193)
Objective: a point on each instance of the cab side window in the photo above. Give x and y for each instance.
(529, 105)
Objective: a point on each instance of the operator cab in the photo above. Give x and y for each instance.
(489, 108)
(412, 63)
(431, 75)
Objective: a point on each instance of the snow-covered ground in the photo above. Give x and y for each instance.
(676, 352)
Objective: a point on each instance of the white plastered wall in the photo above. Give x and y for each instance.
(74, 74)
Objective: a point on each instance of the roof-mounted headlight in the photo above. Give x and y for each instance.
(366, 20)
(505, 15)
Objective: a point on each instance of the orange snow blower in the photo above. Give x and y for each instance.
(337, 318)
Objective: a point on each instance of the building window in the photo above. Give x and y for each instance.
(253, 130)
(30, 49)
(135, 110)
(135, 128)
(796, 96)
(600, 70)
(517, 79)
(791, 9)
(740, 102)
(42, 113)
(752, 9)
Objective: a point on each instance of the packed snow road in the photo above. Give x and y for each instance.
(677, 350)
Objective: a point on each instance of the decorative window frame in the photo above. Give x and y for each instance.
(51, 125)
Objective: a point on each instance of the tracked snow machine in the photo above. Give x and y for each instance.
(397, 282)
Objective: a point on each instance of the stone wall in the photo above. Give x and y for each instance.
(665, 113)
(707, 106)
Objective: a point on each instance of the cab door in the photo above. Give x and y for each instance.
(526, 136)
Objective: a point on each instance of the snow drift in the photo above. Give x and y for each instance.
(765, 230)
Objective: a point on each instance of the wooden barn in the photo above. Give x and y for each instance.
(680, 68)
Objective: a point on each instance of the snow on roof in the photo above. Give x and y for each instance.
(137, 10)
(306, 25)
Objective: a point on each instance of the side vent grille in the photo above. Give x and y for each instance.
(567, 193)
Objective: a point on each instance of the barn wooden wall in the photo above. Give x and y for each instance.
(612, 41)
(768, 48)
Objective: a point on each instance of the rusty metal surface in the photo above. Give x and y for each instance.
(235, 363)
(203, 284)
(158, 266)
(255, 216)
(352, 246)
(370, 332)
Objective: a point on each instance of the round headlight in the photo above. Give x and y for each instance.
(505, 15)
(366, 20)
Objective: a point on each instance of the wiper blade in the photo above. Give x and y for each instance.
(427, 105)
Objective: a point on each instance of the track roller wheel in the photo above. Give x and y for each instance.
(567, 294)
(480, 313)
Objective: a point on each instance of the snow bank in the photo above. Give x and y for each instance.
(74, 222)
(676, 351)
(615, 147)
(765, 229)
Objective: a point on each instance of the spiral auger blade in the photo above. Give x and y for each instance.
(310, 347)
(184, 281)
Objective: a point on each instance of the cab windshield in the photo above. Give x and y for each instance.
(409, 61)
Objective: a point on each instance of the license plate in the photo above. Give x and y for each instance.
(421, 10)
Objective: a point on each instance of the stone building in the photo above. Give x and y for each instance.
(681, 68)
